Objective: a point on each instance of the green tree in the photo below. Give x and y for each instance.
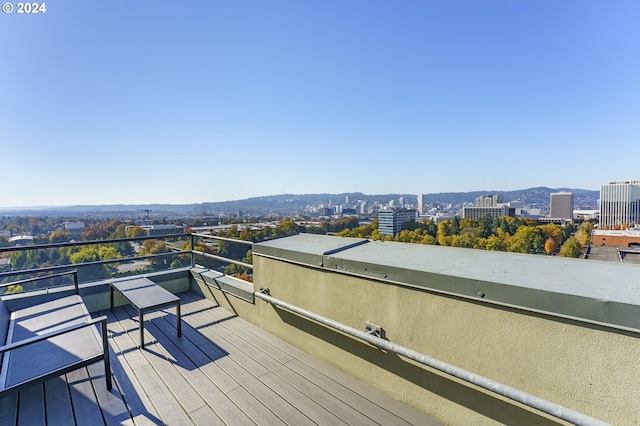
(443, 233)
(527, 239)
(60, 237)
(583, 234)
(135, 232)
(92, 253)
(119, 232)
(152, 247)
(466, 240)
(571, 248)
(16, 288)
(454, 226)
(496, 242)
(486, 226)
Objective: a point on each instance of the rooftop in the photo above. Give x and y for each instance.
(224, 370)
(348, 331)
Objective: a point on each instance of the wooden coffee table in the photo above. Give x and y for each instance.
(145, 295)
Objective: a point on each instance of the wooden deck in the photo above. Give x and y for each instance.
(223, 371)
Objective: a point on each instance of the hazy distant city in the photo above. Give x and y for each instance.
(531, 202)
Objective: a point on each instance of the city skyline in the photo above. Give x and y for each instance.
(144, 103)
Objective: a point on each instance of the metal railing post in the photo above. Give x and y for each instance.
(75, 281)
(193, 254)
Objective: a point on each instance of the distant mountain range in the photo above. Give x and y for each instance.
(289, 203)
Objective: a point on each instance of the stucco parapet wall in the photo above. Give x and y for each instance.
(600, 292)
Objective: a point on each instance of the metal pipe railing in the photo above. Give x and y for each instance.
(92, 263)
(224, 259)
(87, 243)
(74, 272)
(53, 269)
(231, 240)
(529, 400)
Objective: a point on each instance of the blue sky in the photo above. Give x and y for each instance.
(108, 102)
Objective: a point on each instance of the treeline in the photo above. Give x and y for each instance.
(502, 234)
(83, 256)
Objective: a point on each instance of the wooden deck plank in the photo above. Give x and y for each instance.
(377, 413)
(256, 410)
(248, 381)
(184, 394)
(165, 402)
(237, 366)
(213, 333)
(140, 406)
(233, 324)
(369, 393)
(83, 397)
(205, 416)
(114, 411)
(147, 385)
(310, 408)
(239, 329)
(399, 409)
(324, 397)
(58, 402)
(31, 411)
(196, 345)
(9, 410)
(230, 412)
(348, 414)
(261, 342)
(222, 371)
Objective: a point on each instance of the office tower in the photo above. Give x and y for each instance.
(620, 204)
(561, 205)
(420, 203)
(390, 221)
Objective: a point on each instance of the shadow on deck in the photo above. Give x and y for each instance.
(223, 370)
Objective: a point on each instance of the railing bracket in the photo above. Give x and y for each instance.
(373, 330)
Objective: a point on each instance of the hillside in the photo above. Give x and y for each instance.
(290, 203)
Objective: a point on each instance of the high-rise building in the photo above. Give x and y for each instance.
(489, 200)
(390, 221)
(477, 212)
(420, 203)
(561, 205)
(620, 204)
(492, 205)
(363, 208)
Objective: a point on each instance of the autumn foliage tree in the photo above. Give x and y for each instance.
(550, 246)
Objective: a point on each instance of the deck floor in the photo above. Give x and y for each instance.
(223, 371)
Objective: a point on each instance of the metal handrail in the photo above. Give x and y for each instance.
(527, 399)
(215, 237)
(95, 262)
(87, 243)
(224, 259)
(57, 268)
(40, 278)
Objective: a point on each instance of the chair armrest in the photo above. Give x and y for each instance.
(30, 340)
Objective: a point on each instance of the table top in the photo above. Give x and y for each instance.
(144, 293)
